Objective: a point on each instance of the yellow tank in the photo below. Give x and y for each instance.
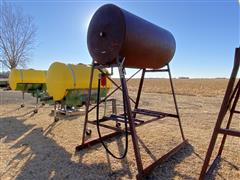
(63, 77)
(26, 76)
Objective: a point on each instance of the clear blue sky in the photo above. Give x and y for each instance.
(206, 32)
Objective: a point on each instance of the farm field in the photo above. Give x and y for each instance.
(33, 146)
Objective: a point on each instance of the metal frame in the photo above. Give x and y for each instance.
(61, 108)
(37, 99)
(229, 103)
(131, 119)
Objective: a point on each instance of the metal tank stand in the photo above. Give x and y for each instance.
(23, 100)
(37, 106)
(35, 110)
(229, 103)
(129, 117)
(60, 108)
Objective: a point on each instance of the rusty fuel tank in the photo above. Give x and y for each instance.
(115, 32)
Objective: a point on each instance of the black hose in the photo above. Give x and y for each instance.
(98, 127)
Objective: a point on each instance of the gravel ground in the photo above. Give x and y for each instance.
(34, 147)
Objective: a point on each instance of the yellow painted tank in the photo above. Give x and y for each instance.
(63, 77)
(26, 76)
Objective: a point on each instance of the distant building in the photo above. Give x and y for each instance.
(183, 78)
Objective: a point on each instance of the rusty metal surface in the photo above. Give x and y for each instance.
(162, 159)
(115, 32)
(132, 121)
(231, 94)
(96, 141)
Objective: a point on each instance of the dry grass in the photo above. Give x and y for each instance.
(189, 87)
(33, 147)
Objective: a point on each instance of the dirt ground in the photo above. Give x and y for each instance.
(33, 146)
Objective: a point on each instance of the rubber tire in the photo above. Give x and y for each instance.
(56, 119)
(88, 132)
(118, 125)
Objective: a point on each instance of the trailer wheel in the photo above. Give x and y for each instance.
(88, 132)
(56, 119)
(118, 125)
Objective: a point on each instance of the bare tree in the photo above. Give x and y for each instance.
(17, 36)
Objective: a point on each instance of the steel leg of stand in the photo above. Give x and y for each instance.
(222, 113)
(36, 108)
(233, 94)
(229, 119)
(88, 103)
(55, 112)
(23, 103)
(175, 102)
(139, 91)
(131, 123)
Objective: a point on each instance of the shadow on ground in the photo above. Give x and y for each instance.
(45, 159)
(166, 171)
(11, 128)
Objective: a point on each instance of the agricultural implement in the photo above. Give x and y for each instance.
(67, 85)
(29, 81)
(119, 39)
(230, 101)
